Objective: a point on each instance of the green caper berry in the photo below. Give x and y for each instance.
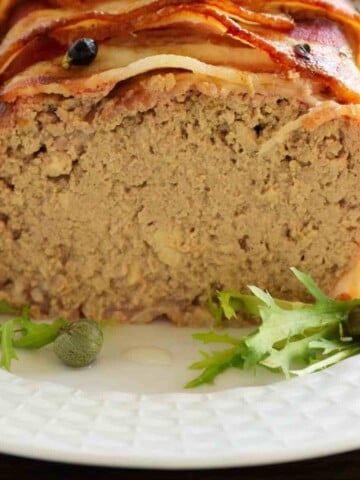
(79, 343)
(353, 322)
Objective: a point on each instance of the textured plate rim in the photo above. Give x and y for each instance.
(174, 462)
(334, 411)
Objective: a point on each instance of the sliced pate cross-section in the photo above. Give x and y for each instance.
(210, 144)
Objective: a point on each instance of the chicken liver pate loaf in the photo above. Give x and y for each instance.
(209, 144)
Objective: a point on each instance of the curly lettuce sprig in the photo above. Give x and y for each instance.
(293, 338)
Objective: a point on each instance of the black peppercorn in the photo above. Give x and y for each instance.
(302, 50)
(81, 52)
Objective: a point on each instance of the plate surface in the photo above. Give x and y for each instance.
(129, 409)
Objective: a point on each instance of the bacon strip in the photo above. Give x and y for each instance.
(47, 21)
(5, 7)
(338, 10)
(65, 26)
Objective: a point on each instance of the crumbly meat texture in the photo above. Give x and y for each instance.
(142, 203)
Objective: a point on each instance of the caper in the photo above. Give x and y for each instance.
(353, 322)
(79, 343)
(81, 52)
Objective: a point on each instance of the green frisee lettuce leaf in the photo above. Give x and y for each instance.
(293, 338)
(21, 332)
(7, 349)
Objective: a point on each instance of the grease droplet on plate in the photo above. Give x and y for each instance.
(148, 356)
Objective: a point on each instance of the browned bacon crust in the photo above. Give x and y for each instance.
(274, 27)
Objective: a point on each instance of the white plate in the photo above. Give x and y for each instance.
(130, 409)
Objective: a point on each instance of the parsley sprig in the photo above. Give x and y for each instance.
(293, 338)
